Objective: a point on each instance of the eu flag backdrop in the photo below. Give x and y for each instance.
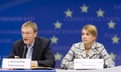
(61, 21)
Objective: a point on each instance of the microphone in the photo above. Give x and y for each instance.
(23, 56)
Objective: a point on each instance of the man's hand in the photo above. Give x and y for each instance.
(16, 57)
(33, 64)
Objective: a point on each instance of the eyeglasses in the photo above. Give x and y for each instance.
(27, 33)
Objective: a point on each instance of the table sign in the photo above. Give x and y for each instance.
(16, 63)
(88, 63)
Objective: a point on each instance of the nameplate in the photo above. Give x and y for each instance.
(16, 63)
(88, 63)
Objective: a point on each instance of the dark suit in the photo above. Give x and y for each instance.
(41, 51)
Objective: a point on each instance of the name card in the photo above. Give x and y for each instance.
(16, 63)
(88, 63)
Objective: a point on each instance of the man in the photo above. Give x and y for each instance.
(34, 47)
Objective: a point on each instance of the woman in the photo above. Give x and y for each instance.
(87, 49)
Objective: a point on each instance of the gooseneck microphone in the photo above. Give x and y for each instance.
(24, 52)
(23, 56)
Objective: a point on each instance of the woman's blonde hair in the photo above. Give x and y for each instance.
(91, 29)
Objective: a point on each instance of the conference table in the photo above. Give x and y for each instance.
(114, 69)
(27, 70)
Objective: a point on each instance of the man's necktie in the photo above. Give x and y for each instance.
(29, 52)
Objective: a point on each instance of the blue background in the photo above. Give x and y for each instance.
(13, 13)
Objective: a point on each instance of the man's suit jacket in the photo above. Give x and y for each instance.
(41, 51)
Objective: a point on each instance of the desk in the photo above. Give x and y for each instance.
(113, 69)
(27, 70)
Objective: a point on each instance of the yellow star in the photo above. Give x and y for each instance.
(58, 56)
(112, 56)
(54, 40)
(57, 25)
(84, 8)
(111, 24)
(100, 13)
(68, 13)
(115, 39)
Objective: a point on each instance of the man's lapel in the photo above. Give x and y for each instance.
(35, 49)
(21, 50)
